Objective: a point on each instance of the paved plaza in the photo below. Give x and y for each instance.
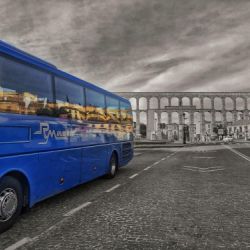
(174, 198)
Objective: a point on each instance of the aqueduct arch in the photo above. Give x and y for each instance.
(202, 109)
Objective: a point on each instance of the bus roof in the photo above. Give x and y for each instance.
(12, 51)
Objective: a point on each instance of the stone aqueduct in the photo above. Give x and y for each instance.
(200, 108)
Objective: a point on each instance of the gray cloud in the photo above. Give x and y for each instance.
(138, 45)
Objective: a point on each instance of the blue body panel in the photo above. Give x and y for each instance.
(47, 150)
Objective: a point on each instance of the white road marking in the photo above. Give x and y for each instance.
(19, 243)
(191, 169)
(205, 151)
(203, 157)
(163, 159)
(71, 212)
(147, 168)
(113, 188)
(238, 153)
(204, 170)
(136, 154)
(171, 154)
(157, 162)
(212, 170)
(201, 168)
(133, 176)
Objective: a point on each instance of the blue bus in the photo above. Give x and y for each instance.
(56, 132)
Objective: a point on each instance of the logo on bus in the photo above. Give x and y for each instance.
(48, 133)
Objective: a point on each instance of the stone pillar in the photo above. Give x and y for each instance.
(191, 101)
(224, 119)
(234, 115)
(202, 102)
(223, 103)
(246, 114)
(147, 102)
(159, 116)
(191, 117)
(181, 117)
(169, 127)
(245, 103)
(234, 103)
(159, 102)
(212, 103)
(191, 127)
(159, 135)
(150, 124)
(137, 130)
(202, 125)
(137, 103)
(212, 120)
(169, 117)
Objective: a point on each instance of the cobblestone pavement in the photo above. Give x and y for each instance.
(193, 198)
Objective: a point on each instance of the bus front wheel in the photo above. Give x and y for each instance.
(113, 166)
(11, 202)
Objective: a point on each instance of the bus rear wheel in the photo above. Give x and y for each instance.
(11, 202)
(113, 167)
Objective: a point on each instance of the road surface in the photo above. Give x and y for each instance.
(193, 197)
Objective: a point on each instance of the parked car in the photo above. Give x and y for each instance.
(228, 139)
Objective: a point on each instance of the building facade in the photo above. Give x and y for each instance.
(239, 129)
(194, 115)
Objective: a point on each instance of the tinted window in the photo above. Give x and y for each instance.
(24, 89)
(69, 100)
(95, 106)
(126, 113)
(113, 112)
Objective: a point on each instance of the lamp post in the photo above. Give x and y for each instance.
(184, 128)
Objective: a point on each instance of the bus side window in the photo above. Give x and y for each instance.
(113, 113)
(24, 89)
(126, 113)
(70, 102)
(95, 106)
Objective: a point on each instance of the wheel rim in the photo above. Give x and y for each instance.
(8, 204)
(113, 166)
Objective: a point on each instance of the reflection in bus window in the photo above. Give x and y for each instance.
(69, 100)
(113, 113)
(95, 106)
(126, 113)
(27, 91)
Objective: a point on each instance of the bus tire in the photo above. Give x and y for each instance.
(11, 202)
(113, 167)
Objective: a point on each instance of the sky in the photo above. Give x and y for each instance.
(137, 45)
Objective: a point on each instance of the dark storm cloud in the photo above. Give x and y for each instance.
(138, 45)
